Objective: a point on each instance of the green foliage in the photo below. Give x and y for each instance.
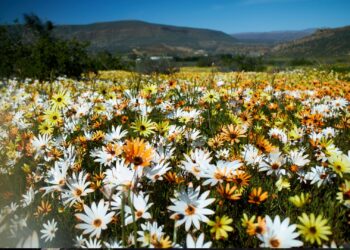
(301, 62)
(160, 66)
(43, 56)
(241, 62)
(106, 61)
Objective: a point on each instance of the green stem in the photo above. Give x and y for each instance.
(175, 232)
(209, 118)
(131, 204)
(123, 220)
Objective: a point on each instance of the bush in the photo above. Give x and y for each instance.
(161, 66)
(33, 52)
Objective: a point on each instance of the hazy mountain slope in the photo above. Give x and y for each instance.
(272, 37)
(129, 35)
(323, 43)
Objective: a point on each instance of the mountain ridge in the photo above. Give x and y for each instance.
(322, 43)
(129, 35)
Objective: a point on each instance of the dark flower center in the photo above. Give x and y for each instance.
(190, 210)
(312, 230)
(275, 166)
(138, 160)
(274, 242)
(97, 223)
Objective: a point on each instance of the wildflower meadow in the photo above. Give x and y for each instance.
(187, 160)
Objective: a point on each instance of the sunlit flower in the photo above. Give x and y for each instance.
(340, 163)
(143, 126)
(138, 152)
(233, 133)
(199, 243)
(314, 229)
(211, 96)
(59, 100)
(191, 206)
(49, 231)
(228, 192)
(95, 219)
(279, 234)
(257, 196)
(220, 227)
(300, 200)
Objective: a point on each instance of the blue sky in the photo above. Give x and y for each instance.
(230, 16)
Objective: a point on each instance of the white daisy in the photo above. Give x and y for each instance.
(156, 172)
(92, 243)
(113, 244)
(298, 158)
(115, 134)
(95, 219)
(191, 243)
(140, 208)
(319, 175)
(279, 234)
(56, 177)
(120, 176)
(149, 231)
(49, 231)
(251, 154)
(220, 172)
(273, 164)
(196, 162)
(78, 187)
(191, 206)
(79, 241)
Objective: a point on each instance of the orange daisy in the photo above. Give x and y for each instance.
(257, 196)
(138, 152)
(232, 133)
(228, 192)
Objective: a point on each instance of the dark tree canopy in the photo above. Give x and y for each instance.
(32, 51)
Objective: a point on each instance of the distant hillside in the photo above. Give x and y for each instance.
(323, 43)
(137, 36)
(272, 37)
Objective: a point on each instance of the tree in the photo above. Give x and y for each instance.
(36, 53)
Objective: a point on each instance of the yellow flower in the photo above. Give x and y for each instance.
(246, 221)
(344, 195)
(282, 183)
(300, 201)
(45, 128)
(99, 108)
(211, 96)
(161, 242)
(340, 163)
(162, 127)
(220, 227)
(295, 134)
(26, 168)
(59, 100)
(314, 229)
(52, 117)
(150, 89)
(144, 126)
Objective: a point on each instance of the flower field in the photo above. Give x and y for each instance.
(190, 160)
